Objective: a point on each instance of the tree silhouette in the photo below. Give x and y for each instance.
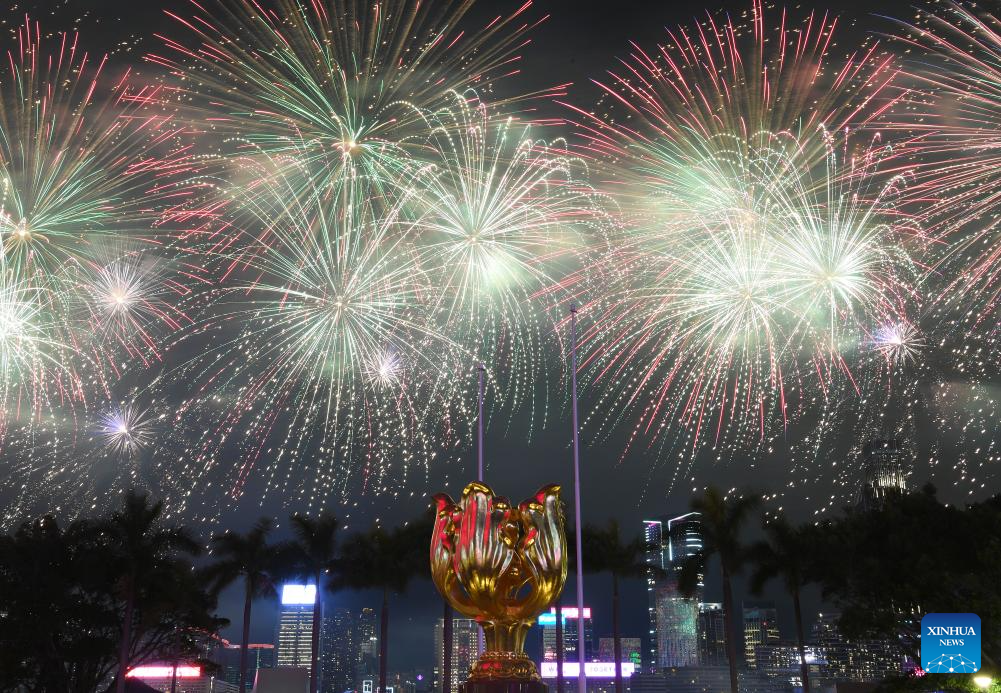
(141, 548)
(250, 557)
(386, 560)
(604, 552)
(723, 518)
(69, 586)
(313, 554)
(785, 555)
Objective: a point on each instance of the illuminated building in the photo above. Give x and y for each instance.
(190, 679)
(548, 623)
(761, 627)
(368, 650)
(653, 535)
(349, 650)
(782, 659)
(259, 656)
(673, 617)
(465, 650)
(853, 660)
(632, 650)
(884, 472)
(712, 634)
(706, 680)
(339, 651)
(295, 626)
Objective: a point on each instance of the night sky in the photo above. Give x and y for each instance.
(578, 42)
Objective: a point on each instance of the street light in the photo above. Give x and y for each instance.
(983, 681)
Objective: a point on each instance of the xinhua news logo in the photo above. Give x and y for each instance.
(950, 643)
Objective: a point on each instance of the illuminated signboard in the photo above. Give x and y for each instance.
(155, 672)
(594, 670)
(569, 613)
(299, 594)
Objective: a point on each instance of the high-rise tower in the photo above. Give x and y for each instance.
(672, 540)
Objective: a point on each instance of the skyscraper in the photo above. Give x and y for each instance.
(295, 626)
(548, 623)
(761, 627)
(673, 617)
(653, 534)
(465, 650)
(712, 634)
(884, 472)
(339, 651)
(368, 648)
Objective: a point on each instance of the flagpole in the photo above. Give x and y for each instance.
(480, 643)
(479, 419)
(581, 679)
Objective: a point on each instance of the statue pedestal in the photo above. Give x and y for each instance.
(501, 686)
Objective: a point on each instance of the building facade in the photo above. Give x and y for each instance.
(339, 650)
(761, 627)
(632, 651)
(673, 633)
(547, 621)
(295, 627)
(465, 651)
(712, 634)
(368, 649)
(884, 472)
(860, 661)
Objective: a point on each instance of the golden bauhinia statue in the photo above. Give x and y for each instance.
(502, 566)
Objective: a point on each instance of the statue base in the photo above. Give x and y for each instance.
(503, 672)
(502, 686)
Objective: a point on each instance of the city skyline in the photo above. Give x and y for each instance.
(280, 278)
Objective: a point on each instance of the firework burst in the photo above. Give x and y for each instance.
(758, 245)
(953, 123)
(346, 312)
(899, 342)
(80, 170)
(342, 76)
(126, 430)
(84, 168)
(503, 221)
(321, 351)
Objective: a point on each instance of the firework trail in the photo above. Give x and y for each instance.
(84, 162)
(344, 315)
(504, 219)
(81, 165)
(953, 123)
(318, 350)
(759, 245)
(338, 75)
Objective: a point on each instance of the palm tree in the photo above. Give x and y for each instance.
(251, 557)
(784, 555)
(140, 546)
(385, 560)
(604, 552)
(560, 654)
(446, 648)
(314, 551)
(722, 519)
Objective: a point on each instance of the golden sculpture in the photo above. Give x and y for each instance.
(501, 566)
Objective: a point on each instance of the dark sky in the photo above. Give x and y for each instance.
(579, 41)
